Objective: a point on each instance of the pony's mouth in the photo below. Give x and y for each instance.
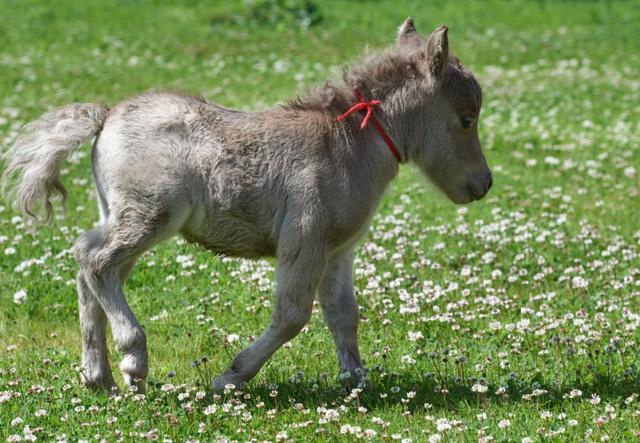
(478, 192)
(468, 195)
(476, 196)
(462, 198)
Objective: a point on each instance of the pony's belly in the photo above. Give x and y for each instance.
(227, 235)
(246, 248)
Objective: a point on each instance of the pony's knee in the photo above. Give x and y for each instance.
(292, 320)
(344, 315)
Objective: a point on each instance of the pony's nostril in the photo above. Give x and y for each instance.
(470, 191)
(489, 181)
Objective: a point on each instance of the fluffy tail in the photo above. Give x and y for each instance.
(35, 158)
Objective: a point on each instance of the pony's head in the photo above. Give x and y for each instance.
(442, 101)
(432, 105)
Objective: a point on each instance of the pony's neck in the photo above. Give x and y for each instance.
(369, 156)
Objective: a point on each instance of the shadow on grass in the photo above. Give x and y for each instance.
(416, 392)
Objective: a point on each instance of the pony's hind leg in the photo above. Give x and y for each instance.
(106, 255)
(95, 372)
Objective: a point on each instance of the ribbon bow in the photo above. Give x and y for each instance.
(360, 106)
(367, 106)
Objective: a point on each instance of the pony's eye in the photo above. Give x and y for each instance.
(468, 120)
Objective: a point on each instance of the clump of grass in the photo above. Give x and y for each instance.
(283, 13)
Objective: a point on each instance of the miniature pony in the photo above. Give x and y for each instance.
(291, 182)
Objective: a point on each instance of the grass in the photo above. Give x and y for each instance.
(516, 317)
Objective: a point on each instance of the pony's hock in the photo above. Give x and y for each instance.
(291, 182)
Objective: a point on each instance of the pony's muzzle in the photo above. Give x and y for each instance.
(477, 189)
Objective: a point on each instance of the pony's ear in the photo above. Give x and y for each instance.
(438, 52)
(407, 33)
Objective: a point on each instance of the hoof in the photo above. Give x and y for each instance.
(134, 372)
(101, 383)
(137, 384)
(226, 380)
(355, 378)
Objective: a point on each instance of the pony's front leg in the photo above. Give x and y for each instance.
(341, 315)
(299, 271)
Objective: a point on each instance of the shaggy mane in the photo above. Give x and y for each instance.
(374, 74)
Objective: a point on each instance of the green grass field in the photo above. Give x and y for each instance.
(514, 318)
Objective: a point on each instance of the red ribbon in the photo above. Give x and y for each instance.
(367, 106)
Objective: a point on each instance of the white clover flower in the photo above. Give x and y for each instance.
(210, 410)
(630, 172)
(370, 433)
(407, 359)
(550, 160)
(481, 389)
(232, 338)
(20, 297)
(523, 325)
(488, 257)
(443, 425)
(578, 282)
(167, 387)
(575, 393)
